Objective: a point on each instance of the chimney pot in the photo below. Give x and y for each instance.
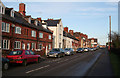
(66, 29)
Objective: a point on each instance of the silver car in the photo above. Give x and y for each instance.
(69, 51)
(56, 52)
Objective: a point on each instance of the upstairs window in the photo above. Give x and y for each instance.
(12, 13)
(33, 33)
(17, 30)
(5, 27)
(50, 37)
(3, 10)
(40, 35)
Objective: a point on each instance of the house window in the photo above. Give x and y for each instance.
(33, 34)
(5, 27)
(40, 46)
(17, 30)
(32, 45)
(5, 44)
(3, 10)
(28, 46)
(23, 46)
(17, 44)
(49, 46)
(12, 13)
(40, 35)
(50, 37)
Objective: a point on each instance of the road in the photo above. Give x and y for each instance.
(80, 64)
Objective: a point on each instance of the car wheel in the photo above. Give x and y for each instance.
(24, 63)
(38, 60)
(5, 66)
(59, 56)
(63, 55)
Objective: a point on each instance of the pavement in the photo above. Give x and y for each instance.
(85, 64)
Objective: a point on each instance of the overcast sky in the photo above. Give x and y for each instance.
(91, 18)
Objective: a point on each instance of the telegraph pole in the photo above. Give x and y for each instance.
(110, 32)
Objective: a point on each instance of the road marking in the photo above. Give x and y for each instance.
(37, 69)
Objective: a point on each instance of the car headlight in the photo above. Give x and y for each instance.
(68, 52)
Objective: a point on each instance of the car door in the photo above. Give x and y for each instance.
(28, 56)
(33, 56)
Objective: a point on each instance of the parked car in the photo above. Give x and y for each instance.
(95, 48)
(5, 63)
(69, 51)
(91, 49)
(86, 49)
(23, 57)
(80, 50)
(56, 52)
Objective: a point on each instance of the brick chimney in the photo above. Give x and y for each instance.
(22, 9)
(66, 29)
(71, 32)
(39, 19)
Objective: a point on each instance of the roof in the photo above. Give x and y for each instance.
(18, 18)
(52, 22)
(69, 35)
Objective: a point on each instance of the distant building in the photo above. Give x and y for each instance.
(93, 42)
(83, 39)
(69, 41)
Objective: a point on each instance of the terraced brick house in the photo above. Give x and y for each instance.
(22, 32)
(69, 41)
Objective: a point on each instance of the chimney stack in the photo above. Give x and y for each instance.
(66, 29)
(22, 9)
(71, 32)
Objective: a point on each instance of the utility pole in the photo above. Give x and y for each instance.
(110, 32)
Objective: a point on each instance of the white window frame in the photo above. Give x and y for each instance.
(23, 46)
(17, 45)
(49, 46)
(12, 13)
(5, 27)
(41, 45)
(7, 44)
(32, 46)
(49, 37)
(16, 30)
(33, 33)
(40, 35)
(28, 44)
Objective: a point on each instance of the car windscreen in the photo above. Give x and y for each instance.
(79, 48)
(57, 50)
(15, 53)
(67, 49)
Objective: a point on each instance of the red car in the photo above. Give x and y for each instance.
(23, 56)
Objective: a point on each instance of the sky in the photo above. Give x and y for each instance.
(91, 18)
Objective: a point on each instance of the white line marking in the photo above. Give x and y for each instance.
(37, 69)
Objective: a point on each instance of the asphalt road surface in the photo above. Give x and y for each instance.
(80, 64)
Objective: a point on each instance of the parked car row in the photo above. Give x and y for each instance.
(59, 52)
(85, 49)
(25, 56)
